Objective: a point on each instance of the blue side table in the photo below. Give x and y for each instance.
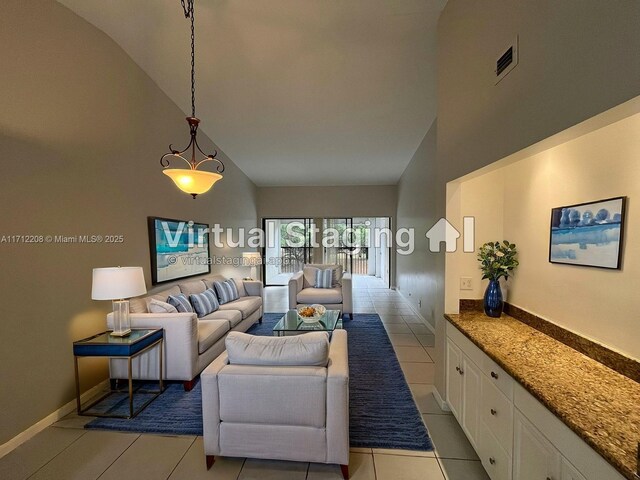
(138, 342)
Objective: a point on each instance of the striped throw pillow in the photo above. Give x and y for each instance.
(204, 303)
(324, 278)
(181, 302)
(156, 306)
(227, 291)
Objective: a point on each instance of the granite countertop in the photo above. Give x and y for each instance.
(597, 403)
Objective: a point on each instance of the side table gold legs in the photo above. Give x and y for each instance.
(132, 413)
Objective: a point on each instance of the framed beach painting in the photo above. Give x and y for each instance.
(588, 234)
(178, 249)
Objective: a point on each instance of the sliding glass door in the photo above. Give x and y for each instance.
(287, 248)
(336, 249)
(354, 243)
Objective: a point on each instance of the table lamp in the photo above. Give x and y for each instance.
(253, 259)
(118, 284)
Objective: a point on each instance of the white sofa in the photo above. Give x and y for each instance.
(190, 343)
(339, 297)
(282, 398)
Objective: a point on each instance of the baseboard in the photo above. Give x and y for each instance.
(416, 312)
(441, 403)
(50, 419)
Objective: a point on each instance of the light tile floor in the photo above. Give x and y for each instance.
(66, 450)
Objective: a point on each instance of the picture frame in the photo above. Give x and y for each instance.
(177, 249)
(588, 234)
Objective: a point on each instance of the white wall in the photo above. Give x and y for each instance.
(483, 199)
(599, 304)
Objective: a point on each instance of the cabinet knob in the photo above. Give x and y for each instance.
(461, 372)
(549, 478)
(494, 375)
(458, 369)
(492, 461)
(493, 411)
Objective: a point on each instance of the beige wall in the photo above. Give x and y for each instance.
(418, 197)
(81, 131)
(595, 303)
(577, 58)
(329, 202)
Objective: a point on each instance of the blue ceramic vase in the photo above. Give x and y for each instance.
(493, 303)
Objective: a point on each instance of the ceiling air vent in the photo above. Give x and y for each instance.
(507, 61)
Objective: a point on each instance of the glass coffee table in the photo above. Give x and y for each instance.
(291, 323)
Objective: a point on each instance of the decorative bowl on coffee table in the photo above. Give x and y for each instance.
(311, 313)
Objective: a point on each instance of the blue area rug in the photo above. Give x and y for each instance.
(382, 413)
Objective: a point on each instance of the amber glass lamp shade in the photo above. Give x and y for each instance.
(191, 181)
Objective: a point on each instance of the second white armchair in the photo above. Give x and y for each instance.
(302, 289)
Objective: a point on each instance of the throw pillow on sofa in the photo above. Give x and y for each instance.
(157, 306)
(181, 302)
(310, 272)
(324, 278)
(227, 291)
(204, 303)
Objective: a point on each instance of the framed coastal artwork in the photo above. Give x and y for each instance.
(588, 234)
(178, 249)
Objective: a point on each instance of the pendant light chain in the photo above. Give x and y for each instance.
(192, 180)
(188, 13)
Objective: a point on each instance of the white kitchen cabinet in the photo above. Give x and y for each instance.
(496, 411)
(463, 390)
(495, 460)
(534, 457)
(454, 379)
(470, 399)
(515, 436)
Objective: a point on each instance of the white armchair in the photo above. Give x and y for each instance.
(282, 398)
(302, 291)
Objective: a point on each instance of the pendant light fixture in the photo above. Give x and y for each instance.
(191, 180)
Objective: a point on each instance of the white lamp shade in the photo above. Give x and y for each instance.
(251, 255)
(114, 283)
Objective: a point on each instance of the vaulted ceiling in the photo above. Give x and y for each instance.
(296, 92)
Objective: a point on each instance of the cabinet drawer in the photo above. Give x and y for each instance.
(496, 411)
(498, 377)
(494, 459)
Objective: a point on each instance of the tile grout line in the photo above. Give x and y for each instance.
(118, 457)
(56, 455)
(182, 457)
(373, 460)
(440, 466)
(241, 468)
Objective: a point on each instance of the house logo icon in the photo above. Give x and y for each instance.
(444, 232)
